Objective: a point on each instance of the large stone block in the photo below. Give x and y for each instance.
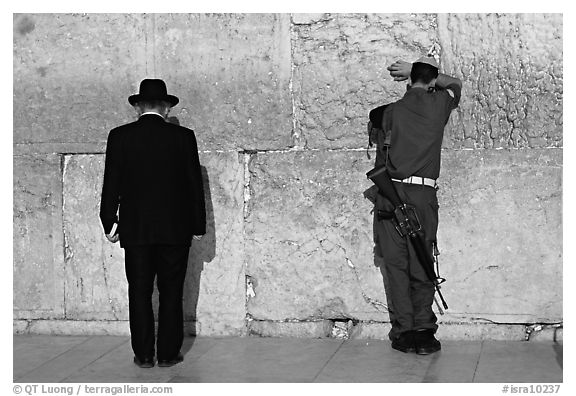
(511, 68)
(38, 289)
(232, 75)
(216, 287)
(310, 232)
(340, 71)
(73, 74)
(500, 234)
(500, 237)
(96, 287)
(95, 283)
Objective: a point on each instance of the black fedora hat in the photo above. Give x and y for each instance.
(153, 89)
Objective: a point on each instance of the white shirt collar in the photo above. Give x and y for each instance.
(152, 112)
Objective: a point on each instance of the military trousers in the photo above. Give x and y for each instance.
(410, 294)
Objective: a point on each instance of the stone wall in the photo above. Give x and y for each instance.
(279, 104)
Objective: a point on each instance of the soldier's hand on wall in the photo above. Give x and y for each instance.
(197, 237)
(400, 70)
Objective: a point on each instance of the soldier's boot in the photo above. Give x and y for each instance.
(425, 342)
(404, 342)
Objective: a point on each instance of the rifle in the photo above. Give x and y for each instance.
(407, 224)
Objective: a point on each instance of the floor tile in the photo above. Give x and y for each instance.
(517, 361)
(261, 360)
(117, 366)
(364, 361)
(108, 359)
(32, 351)
(456, 362)
(74, 359)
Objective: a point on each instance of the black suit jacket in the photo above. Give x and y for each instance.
(152, 173)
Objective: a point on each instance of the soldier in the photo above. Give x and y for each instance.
(416, 124)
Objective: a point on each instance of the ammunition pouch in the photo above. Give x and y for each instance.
(371, 194)
(406, 220)
(383, 208)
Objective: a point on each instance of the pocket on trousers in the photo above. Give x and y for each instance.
(383, 204)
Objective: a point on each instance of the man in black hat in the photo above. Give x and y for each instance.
(416, 124)
(152, 179)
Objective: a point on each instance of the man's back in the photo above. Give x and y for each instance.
(153, 167)
(417, 123)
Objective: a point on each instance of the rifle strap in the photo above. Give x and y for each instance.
(436, 253)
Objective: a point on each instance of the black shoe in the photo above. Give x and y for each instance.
(404, 342)
(147, 362)
(171, 362)
(426, 343)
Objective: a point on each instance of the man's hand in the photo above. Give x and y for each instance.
(400, 70)
(113, 238)
(197, 237)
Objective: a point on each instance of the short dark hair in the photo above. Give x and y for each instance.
(423, 72)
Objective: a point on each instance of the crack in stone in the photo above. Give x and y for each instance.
(105, 275)
(68, 253)
(378, 305)
(530, 327)
(247, 160)
(67, 256)
(296, 132)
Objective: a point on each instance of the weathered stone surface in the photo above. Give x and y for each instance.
(20, 326)
(370, 330)
(96, 287)
(500, 234)
(448, 331)
(245, 82)
(73, 74)
(215, 292)
(547, 334)
(481, 331)
(511, 68)
(232, 75)
(31, 149)
(498, 267)
(38, 282)
(340, 71)
(321, 329)
(310, 232)
(317, 329)
(79, 327)
(95, 282)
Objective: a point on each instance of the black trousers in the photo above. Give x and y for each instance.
(410, 293)
(143, 264)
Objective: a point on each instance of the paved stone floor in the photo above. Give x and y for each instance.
(108, 359)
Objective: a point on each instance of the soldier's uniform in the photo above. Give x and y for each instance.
(416, 126)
